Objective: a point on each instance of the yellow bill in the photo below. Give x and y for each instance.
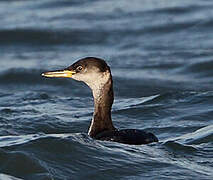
(60, 73)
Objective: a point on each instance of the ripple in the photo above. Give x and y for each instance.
(50, 37)
(12, 162)
(178, 147)
(203, 135)
(8, 177)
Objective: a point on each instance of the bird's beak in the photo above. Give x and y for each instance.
(59, 73)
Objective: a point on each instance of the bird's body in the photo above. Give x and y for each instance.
(97, 75)
(127, 136)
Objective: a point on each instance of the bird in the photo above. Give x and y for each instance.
(97, 75)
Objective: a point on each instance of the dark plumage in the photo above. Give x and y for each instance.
(97, 75)
(127, 136)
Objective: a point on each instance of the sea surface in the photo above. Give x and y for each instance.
(161, 57)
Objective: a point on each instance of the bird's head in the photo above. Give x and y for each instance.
(93, 71)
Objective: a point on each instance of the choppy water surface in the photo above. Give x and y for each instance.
(161, 57)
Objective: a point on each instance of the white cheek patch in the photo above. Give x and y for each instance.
(78, 77)
(94, 80)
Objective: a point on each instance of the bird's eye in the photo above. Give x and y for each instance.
(79, 68)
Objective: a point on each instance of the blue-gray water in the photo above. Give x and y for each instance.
(161, 57)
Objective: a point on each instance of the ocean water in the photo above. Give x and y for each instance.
(161, 57)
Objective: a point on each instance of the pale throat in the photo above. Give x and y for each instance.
(101, 87)
(96, 82)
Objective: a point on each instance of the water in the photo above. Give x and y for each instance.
(161, 57)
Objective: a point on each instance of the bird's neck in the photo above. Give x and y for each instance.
(103, 100)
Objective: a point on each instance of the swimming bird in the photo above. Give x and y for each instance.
(97, 75)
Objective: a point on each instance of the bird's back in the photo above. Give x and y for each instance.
(127, 136)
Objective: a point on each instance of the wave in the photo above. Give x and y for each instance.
(8, 141)
(55, 155)
(129, 103)
(39, 152)
(203, 135)
(59, 4)
(52, 37)
(22, 164)
(178, 147)
(8, 177)
(99, 36)
(199, 69)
